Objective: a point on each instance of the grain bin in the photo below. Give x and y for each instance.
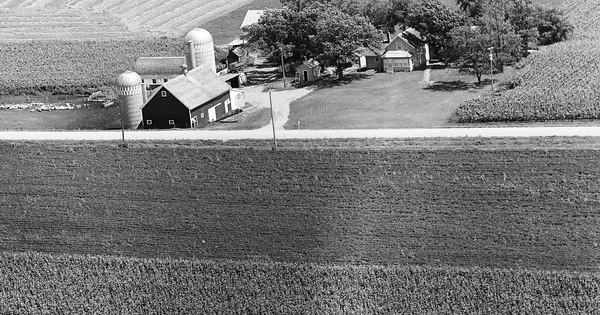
(129, 89)
(199, 49)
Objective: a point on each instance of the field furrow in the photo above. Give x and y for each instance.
(499, 208)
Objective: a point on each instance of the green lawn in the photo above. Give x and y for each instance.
(400, 100)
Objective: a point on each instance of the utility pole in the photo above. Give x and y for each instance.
(283, 67)
(491, 49)
(272, 121)
(122, 127)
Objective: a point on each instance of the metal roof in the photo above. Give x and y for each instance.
(159, 67)
(197, 87)
(252, 16)
(128, 79)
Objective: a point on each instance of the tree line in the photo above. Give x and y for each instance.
(332, 31)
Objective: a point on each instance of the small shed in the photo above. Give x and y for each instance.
(397, 60)
(190, 100)
(308, 71)
(236, 59)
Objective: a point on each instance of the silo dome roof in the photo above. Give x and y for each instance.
(129, 78)
(199, 36)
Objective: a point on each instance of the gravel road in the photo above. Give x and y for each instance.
(267, 133)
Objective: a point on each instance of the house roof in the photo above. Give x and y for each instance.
(252, 16)
(197, 87)
(412, 37)
(238, 51)
(311, 63)
(397, 54)
(159, 66)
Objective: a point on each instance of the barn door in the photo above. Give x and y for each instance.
(305, 73)
(212, 113)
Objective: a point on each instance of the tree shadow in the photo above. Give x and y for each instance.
(456, 85)
(330, 81)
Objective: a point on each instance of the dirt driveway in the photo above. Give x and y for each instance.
(281, 102)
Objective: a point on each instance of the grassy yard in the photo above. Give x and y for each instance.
(400, 100)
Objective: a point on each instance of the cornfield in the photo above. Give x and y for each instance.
(559, 82)
(34, 283)
(71, 66)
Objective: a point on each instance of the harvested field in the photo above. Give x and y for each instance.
(85, 19)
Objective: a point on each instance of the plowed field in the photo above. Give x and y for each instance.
(512, 208)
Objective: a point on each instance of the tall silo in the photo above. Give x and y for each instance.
(199, 49)
(129, 89)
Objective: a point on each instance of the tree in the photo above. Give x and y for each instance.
(470, 48)
(318, 30)
(433, 20)
(283, 30)
(340, 35)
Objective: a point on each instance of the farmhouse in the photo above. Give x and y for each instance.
(190, 100)
(308, 71)
(406, 51)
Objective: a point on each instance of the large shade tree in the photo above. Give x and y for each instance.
(320, 30)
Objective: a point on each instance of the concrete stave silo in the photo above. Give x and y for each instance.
(129, 90)
(199, 49)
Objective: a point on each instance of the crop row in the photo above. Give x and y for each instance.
(34, 283)
(66, 66)
(500, 208)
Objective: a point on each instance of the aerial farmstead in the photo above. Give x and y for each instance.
(180, 91)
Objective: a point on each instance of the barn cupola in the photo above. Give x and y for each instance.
(199, 49)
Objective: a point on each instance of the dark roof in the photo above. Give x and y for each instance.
(159, 67)
(199, 86)
(238, 51)
(413, 37)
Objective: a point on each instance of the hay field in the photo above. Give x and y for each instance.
(107, 19)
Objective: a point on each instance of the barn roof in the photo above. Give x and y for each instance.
(252, 16)
(159, 66)
(397, 54)
(197, 87)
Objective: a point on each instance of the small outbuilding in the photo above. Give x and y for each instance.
(190, 100)
(308, 71)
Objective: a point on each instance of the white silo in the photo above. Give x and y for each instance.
(199, 49)
(129, 89)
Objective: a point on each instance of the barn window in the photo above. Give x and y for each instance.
(154, 81)
(201, 115)
(376, 59)
(171, 122)
(165, 80)
(148, 122)
(163, 93)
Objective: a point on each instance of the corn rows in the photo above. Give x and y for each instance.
(73, 66)
(75, 284)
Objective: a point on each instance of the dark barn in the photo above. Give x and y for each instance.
(190, 100)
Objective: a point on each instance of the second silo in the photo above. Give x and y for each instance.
(199, 49)
(129, 89)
